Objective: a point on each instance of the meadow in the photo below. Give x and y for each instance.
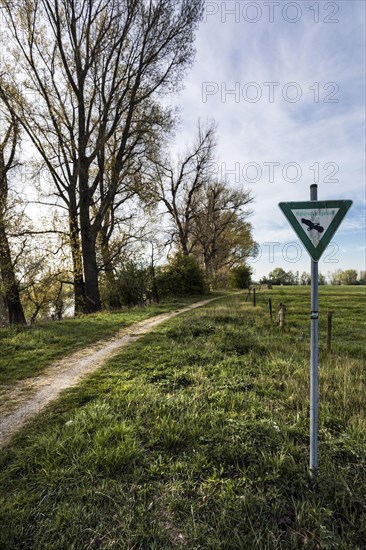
(196, 437)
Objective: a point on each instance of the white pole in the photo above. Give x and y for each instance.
(314, 360)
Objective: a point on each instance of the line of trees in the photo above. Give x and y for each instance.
(80, 90)
(208, 218)
(347, 277)
(279, 276)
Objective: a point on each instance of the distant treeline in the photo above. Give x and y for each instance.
(338, 277)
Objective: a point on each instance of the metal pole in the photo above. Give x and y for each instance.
(314, 360)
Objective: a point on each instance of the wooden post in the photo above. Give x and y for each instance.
(281, 315)
(329, 331)
(270, 307)
(254, 297)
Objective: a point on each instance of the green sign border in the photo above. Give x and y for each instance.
(315, 252)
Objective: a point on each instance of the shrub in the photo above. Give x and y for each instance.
(181, 277)
(133, 284)
(241, 276)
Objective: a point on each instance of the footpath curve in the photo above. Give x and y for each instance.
(28, 397)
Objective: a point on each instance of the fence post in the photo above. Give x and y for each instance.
(281, 315)
(254, 297)
(270, 307)
(329, 331)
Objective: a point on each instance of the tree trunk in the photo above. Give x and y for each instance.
(184, 243)
(88, 233)
(11, 289)
(88, 244)
(8, 279)
(112, 296)
(92, 295)
(79, 286)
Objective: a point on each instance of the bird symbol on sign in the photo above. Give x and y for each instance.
(312, 225)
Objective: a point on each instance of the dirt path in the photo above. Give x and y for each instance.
(28, 397)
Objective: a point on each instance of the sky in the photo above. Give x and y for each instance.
(285, 82)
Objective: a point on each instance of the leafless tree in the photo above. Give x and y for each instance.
(179, 187)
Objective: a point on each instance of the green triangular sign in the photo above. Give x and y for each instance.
(315, 222)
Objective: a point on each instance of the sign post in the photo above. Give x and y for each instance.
(315, 223)
(314, 359)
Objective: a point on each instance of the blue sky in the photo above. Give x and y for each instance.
(321, 136)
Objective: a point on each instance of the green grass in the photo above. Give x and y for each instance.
(27, 350)
(196, 436)
(348, 304)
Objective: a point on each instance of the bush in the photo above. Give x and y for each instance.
(241, 276)
(181, 277)
(133, 284)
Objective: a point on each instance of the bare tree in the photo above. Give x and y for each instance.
(96, 68)
(223, 235)
(179, 187)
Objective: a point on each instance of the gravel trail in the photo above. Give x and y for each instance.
(28, 397)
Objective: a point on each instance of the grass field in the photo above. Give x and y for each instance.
(197, 437)
(348, 304)
(27, 350)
